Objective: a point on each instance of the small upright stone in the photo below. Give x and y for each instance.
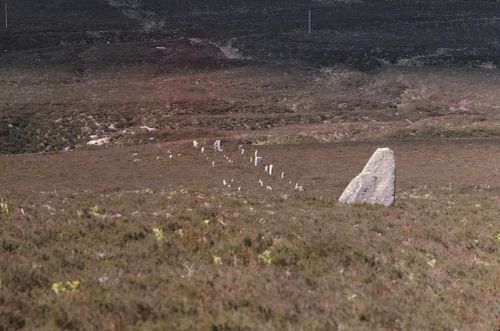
(217, 146)
(375, 185)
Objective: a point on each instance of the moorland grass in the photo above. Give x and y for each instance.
(189, 260)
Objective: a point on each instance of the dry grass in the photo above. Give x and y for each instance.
(430, 262)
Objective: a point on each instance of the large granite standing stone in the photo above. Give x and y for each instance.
(375, 185)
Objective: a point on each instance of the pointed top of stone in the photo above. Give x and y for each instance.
(376, 183)
(217, 146)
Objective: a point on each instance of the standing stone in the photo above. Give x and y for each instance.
(375, 185)
(217, 146)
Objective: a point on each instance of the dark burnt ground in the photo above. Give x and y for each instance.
(359, 33)
(43, 24)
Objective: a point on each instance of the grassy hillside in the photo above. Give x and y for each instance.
(133, 239)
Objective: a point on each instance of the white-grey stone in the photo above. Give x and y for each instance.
(217, 146)
(375, 185)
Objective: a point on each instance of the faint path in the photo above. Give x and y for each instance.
(135, 10)
(324, 169)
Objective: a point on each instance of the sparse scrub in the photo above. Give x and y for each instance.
(363, 263)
